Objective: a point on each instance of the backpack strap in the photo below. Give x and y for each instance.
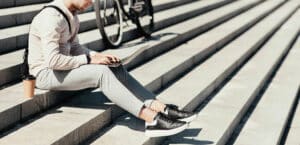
(25, 67)
(61, 12)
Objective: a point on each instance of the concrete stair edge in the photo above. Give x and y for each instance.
(34, 110)
(90, 24)
(151, 141)
(226, 134)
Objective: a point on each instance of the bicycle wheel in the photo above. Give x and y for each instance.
(144, 17)
(109, 21)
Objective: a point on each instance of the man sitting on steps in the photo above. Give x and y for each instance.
(58, 62)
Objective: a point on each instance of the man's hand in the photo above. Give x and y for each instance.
(105, 59)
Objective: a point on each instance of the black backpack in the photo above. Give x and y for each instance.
(25, 67)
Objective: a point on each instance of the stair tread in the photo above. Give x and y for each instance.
(16, 3)
(16, 31)
(21, 9)
(223, 115)
(123, 53)
(84, 38)
(93, 35)
(23, 29)
(190, 88)
(33, 122)
(59, 119)
(36, 7)
(20, 15)
(206, 40)
(66, 118)
(91, 111)
(294, 130)
(263, 124)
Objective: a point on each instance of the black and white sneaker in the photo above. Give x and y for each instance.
(174, 113)
(164, 126)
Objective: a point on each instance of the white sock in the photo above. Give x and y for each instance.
(166, 111)
(154, 122)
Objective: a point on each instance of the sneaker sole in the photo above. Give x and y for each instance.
(159, 133)
(189, 119)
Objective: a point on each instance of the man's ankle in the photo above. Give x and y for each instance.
(147, 114)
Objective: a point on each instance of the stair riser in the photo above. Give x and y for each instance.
(10, 117)
(260, 89)
(33, 106)
(158, 49)
(130, 35)
(174, 4)
(16, 19)
(14, 3)
(198, 100)
(20, 41)
(79, 135)
(186, 36)
(169, 76)
(10, 74)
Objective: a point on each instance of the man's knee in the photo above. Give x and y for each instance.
(96, 68)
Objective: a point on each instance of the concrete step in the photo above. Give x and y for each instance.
(20, 34)
(85, 35)
(163, 20)
(11, 61)
(211, 74)
(294, 127)
(210, 41)
(93, 40)
(164, 4)
(161, 46)
(85, 18)
(16, 3)
(224, 111)
(20, 15)
(15, 16)
(43, 100)
(269, 119)
(19, 3)
(93, 107)
(119, 52)
(14, 38)
(90, 114)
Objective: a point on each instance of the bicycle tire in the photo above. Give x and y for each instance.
(105, 23)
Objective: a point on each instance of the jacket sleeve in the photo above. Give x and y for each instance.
(77, 49)
(50, 34)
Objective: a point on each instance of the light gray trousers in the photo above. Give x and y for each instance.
(115, 83)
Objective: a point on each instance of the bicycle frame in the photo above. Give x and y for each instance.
(133, 2)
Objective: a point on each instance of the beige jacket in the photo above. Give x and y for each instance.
(49, 41)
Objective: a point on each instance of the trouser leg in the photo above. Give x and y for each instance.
(115, 83)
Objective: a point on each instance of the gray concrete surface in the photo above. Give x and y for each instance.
(268, 120)
(185, 36)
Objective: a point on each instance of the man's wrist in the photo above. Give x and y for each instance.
(89, 55)
(92, 53)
